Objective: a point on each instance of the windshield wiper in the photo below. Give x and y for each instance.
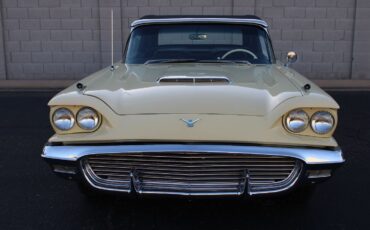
(225, 61)
(171, 61)
(195, 61)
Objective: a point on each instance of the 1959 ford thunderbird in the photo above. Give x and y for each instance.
(198, 106)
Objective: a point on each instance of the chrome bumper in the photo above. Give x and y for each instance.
(310, 163)
(307, 155)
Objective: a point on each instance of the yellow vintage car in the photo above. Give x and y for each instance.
(199, 106)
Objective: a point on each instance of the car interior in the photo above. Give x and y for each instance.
(199, 42)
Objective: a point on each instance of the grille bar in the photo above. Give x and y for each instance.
(191, 173)
(190, 165)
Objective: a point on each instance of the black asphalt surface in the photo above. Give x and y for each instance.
(32, 197)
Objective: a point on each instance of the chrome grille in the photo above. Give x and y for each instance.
(191, 173)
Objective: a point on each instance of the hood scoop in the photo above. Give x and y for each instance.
(193, 80)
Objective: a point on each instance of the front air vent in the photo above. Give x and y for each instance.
(194, 80)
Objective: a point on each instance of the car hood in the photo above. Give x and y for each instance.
(134, 89)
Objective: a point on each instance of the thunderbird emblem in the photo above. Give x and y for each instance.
(190, 122)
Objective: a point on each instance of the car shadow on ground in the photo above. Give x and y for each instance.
(180, 213)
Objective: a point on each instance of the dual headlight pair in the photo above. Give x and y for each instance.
(321, 122)
(64, 119)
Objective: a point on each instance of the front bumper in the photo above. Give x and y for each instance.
(311, 165)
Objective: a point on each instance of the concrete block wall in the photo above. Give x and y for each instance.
(51, 39)
(361, 43)
(320, 31)
(69, 39)
(2, 53)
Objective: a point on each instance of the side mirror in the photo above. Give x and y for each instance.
(291, 58)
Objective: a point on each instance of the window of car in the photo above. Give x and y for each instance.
(199, 42)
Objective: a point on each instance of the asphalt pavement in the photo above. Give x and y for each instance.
(32, 197)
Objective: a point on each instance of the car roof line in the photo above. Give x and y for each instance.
(175, 20)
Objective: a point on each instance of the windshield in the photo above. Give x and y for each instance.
(199, 43)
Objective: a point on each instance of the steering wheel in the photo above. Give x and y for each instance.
(239, 50)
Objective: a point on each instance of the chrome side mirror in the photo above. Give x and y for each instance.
(291, 58)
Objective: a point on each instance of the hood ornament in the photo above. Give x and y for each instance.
(190, 122)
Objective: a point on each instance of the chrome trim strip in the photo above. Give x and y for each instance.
(308, 155)
(195, 79)
(141, 22)
(93, 180)
(284, 185)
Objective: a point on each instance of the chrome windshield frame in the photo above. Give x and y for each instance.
(213, 20)
(141, 22)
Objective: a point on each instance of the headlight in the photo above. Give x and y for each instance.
(63, 119)
(297, 121)
(322, 122)
(87, 118)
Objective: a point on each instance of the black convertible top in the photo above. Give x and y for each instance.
(165, 19)
(201, 16)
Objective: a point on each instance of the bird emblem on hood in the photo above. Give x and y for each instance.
(190, 122)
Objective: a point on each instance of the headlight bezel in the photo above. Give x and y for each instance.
(74, 109)
(306, 123)
(94, 111)
(309, 130)
(73, 119)
(312, 119)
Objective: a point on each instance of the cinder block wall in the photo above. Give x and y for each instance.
(69, 39)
